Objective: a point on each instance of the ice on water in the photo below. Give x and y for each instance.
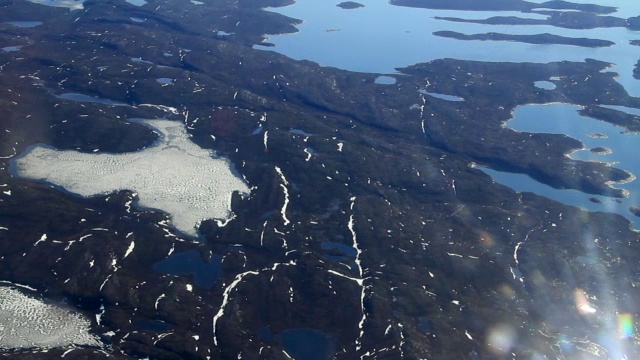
(27, 322)
(173, 175)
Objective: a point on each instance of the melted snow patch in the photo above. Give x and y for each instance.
(173, 175)
(26, 322)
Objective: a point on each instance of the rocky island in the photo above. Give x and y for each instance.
(506, 5)
(561, 19)
(350, 5)
(529, 39)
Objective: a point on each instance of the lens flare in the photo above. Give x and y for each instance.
(486, 240)
(625, 325)
(502, 338)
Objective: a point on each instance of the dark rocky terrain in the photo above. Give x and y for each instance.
(391, 246)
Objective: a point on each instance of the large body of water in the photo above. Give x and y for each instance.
(381, 37)
(564, 119)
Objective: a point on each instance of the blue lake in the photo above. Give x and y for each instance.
(442, 96)
(205, 274)
(11, 48)
(300, 132)
(565, 119)
(307, 344)
(342, 248)
(385, 80)
(164, 81)
(545, 85)
(24, 24)
(380, 37)
(341, 253)
(91, 99)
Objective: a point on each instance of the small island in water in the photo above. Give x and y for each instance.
(350, 5)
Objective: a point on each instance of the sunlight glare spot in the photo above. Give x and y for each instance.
(582, 303)
(502, 338)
